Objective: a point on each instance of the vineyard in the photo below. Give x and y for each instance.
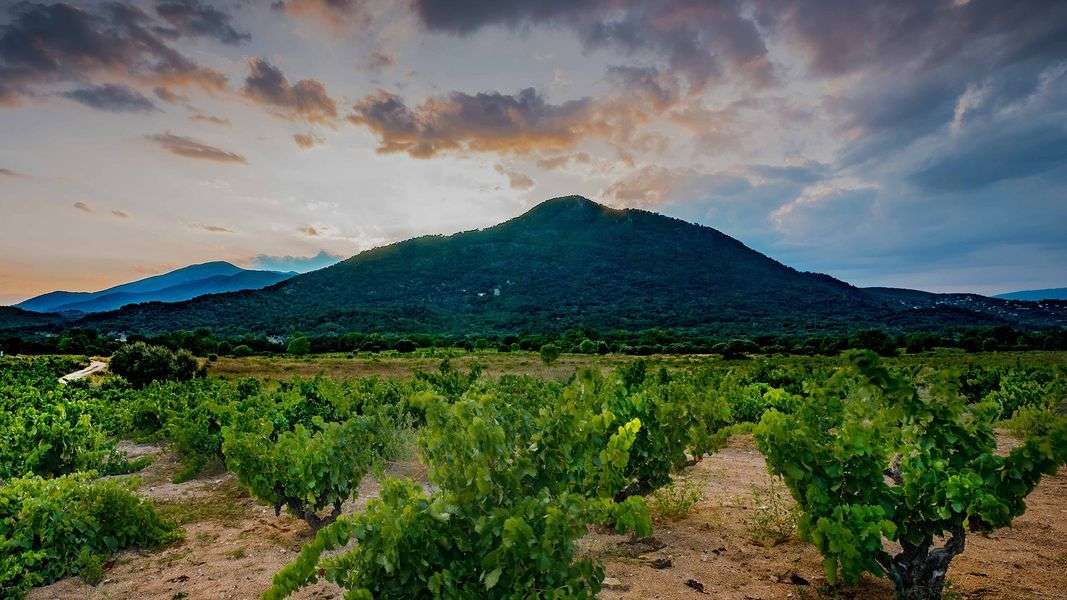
(807, 477)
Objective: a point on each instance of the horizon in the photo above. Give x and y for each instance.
(926, 151)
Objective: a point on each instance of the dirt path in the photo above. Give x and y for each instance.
(233, 546)
(95, 366)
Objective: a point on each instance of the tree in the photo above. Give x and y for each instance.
(549, 353)
(299, 346)
(869, 458)
(404, 346)
(587, 346)
(141, 363)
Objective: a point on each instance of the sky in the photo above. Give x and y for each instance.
(906, 143)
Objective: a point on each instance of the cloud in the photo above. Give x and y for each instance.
(11, 173)
(309, 231)
(82, 206)
(202, 118)
(973, 163)
(516, 179)
(119, 214)
(306, 100)
(169, 96)
(484, 122)
(646, 187)
(336, 15)
(562, 160)
(210, 228)
(193, 19)
(45, 44)
(698, 39)
(307, 140)
(190, 148)
(300, 264)
(112, 98)
(379, 61)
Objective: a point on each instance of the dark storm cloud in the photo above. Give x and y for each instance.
(194, 19)
(699, 39)
(190, 148)
(306, 100)
(49, 43)
(995, 157)
(112, 98)
(484, 122)
(913, 61)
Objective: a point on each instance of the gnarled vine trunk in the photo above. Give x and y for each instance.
(309, 515)
(919, 573)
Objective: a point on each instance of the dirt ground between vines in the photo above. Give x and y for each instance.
(233, 546)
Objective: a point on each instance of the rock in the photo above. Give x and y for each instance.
(611, 583)
(696, 585)
(662, 562)
(798, 580)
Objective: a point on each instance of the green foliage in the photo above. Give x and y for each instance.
(673, 501)
(242, 350)
(871, 456)
(90, 567)
(680, 417)
(519, 478)
(50, 528)
(549, 353)
(50, 429)
(306, 469)
(774, 514)
(140, 364)
(299, 346)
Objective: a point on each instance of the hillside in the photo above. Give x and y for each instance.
(15, 318)
(1035, 295)
(180, 284)
(568, 262)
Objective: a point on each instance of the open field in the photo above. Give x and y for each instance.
(391, 364)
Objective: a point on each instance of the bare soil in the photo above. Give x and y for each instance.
(233, 546)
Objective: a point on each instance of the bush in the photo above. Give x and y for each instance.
(518, 480)
(549, 353)
(673, 501)
(299, 346)
(51, 528)
(305, 470)
(140, 364)
(774, 515)
(242, 350)
(869, 459)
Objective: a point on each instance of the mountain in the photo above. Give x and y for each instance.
(15, 318)
(1035, 295)
(570, 262)
(180, 284)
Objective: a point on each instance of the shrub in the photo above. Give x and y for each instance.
(774, 514)
(519, 479)
(305, 470)
(242, 350)
(869, 458)
(549, 353)
(673, 501)
(51, 528)
(140, 364)
(299, 346)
